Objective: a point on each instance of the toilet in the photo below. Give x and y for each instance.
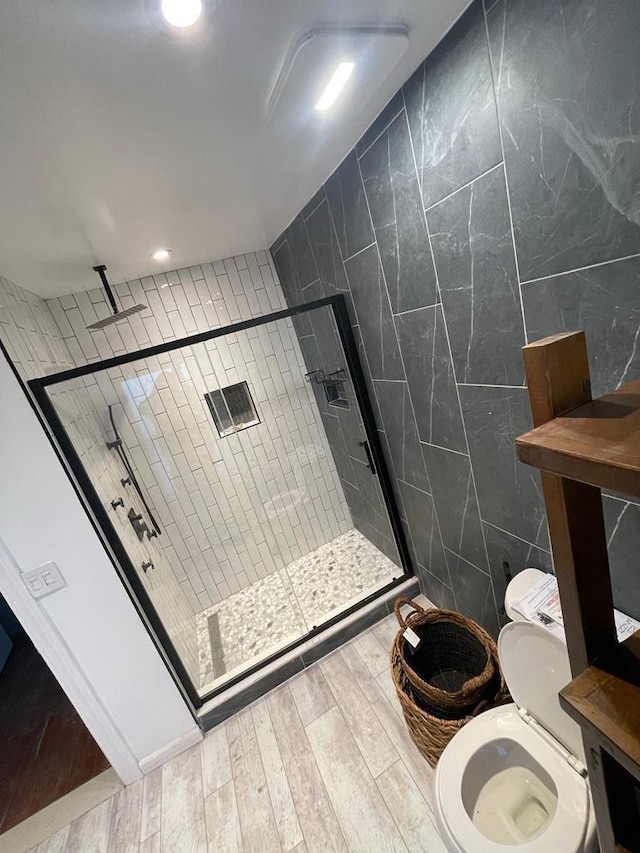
(515, 776)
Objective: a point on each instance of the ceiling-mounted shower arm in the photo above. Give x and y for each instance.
(101, 270)
(116, 315)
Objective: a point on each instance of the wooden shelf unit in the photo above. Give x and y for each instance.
(605, 699)
(597, 443)
(581, 446)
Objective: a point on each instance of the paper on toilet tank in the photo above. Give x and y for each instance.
(541, 604)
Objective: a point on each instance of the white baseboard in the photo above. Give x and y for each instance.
(188, 739)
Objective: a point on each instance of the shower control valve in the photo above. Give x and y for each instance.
(137, 523)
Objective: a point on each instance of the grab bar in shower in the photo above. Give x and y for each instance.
(118, 445)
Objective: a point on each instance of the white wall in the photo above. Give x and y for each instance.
(233, 509)
(41, 519)
(30, 334)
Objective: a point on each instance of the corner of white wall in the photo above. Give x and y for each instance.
(42, 519)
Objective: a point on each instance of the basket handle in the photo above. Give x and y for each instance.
(398, 604)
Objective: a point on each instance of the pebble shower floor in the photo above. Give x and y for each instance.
(286, 605)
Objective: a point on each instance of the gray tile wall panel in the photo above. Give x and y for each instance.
(525, 146)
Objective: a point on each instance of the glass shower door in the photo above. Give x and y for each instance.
(367, 556)
(234, 472)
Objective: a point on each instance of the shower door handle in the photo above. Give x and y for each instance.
(367, 450)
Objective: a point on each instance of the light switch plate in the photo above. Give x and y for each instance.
(44, 580)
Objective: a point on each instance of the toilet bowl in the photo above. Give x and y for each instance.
(515, 777)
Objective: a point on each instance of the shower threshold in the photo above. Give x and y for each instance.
(288, 663)
(253, 624)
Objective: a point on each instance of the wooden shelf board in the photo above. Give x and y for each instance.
(605, 699)
(597, 443)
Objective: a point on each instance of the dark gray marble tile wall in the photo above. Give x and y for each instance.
(326, 252)
(432, 383)
(401, 432)
(373, 313)
(425, 541)
(452, 487)
(494, 201)
(604, 300)
(566, 74)
(622, 522)
(451, 109)
(392, 189)
(313, 236)
(472, 243)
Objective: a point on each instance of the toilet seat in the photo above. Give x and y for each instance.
(567, 828)
(536, 667)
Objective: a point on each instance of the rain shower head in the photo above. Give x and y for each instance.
(117, 315)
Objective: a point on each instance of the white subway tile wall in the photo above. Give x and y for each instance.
(75, 403)
(232, 509)
(30, 334)
(36, 347)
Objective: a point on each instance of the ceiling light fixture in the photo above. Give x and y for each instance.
(160, 254)
(335, 85)
(181, 13)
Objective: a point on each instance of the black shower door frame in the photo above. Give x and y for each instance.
(123, 563)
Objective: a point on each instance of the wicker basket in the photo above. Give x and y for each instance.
(455, 664)
(430, 728)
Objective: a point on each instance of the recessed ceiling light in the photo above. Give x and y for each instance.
(181, 13)
(335, 85)
(160, 254)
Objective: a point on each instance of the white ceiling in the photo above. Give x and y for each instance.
(119, 137)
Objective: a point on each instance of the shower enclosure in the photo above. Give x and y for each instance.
(239, 481)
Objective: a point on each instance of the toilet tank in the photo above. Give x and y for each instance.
(523, 582)
(516, 590)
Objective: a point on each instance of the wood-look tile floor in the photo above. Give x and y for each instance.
(323, 763)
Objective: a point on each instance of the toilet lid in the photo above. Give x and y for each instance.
(535, 664)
